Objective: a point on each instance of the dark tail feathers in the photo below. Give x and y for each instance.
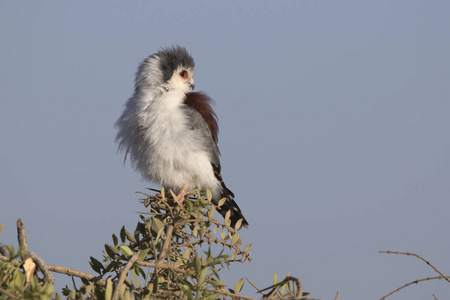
(231, 206)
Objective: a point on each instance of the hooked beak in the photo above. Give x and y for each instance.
(191, 84)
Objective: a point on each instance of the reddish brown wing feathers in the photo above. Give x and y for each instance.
(201, 103)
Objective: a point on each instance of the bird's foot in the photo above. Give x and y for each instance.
(182, 193)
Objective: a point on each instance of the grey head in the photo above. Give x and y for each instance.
(158, 68)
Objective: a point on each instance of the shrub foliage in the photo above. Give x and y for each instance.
(176, 251)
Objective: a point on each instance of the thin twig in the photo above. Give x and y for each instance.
(337, 296)
(435, 297)
(123, 275)
(6, 293)
(420, 257)
(160, 266)
(226, 293)
(410, 283)
(280, 284)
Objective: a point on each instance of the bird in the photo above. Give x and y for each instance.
(171, 133)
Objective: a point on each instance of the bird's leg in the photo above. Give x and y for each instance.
(182, 193)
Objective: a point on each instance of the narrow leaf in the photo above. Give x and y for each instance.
(238, 286)
(143, 254)
(227, 217)
(238, 224)
(157, 225)
(211, 213)
(235, 238)
(125, 250)
(129, 236)
(197, 265)
(202, 276)
(221, 202)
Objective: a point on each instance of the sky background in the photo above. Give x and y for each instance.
(334, 131)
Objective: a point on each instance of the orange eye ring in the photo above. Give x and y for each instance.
(184, 74)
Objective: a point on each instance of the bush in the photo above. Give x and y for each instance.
(177, 251)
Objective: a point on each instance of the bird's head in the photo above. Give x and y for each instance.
(171, 68)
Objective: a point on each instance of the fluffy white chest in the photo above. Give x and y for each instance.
(175, 154)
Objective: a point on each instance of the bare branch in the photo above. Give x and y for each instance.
(160, 266)
(22, 236)
(123, 275)
(6, 293)
(337, 296)
(420, 257)
(48, 277)
(410, 283)
(23, 245)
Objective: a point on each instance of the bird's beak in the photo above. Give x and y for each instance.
(191, 84)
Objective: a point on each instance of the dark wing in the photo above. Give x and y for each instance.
(202, 118)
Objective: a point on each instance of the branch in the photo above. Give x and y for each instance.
(410, 283)
(123, 275)
(280, 284)
(337, 296)
(6, 293)
(226, 293)
(160, 266)
(418, 256)
(22, 236)
(41, 265)
(23, 245)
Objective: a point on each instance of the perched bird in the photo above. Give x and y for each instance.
(170, 133)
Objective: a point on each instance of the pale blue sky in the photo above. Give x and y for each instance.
(333, 115)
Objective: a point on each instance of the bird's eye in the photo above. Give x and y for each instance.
(183, 74)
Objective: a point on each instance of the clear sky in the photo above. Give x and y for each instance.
(334, 131)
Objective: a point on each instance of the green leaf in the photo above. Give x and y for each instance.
(202, 276)
(202, 232)
(247, 247)
(238, 286)
(174, 196)
(212, 296)
(217, 283)
(48, 289)
(275, 278)
(129, 236)
(109, 289)
(135, 278)
(238, 224)
(96, 265)
(143, 254)
(187, 252)
(208, 194)
(189, 205)
(115, 240)
(211, 213)
(223, 235)
(125, 250)
(195, 231)
(112, 251)
(157, 225)
(227, 217)
(221, 202)
(235, 238)
(122, 234)
(197, 265)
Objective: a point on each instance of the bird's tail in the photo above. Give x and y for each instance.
(230, 205)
